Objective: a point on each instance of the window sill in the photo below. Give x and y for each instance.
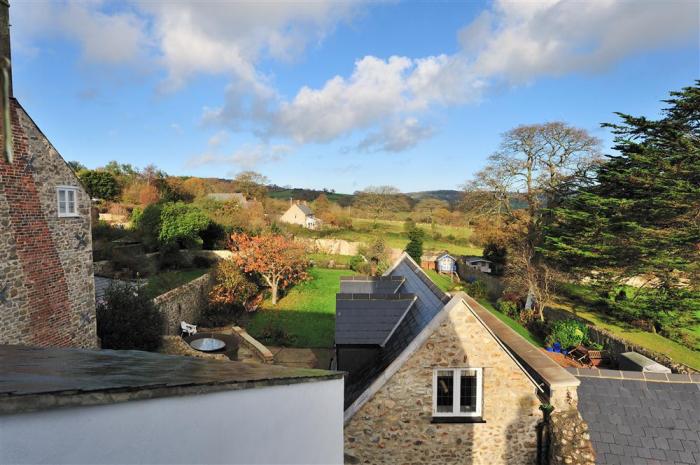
(69, 216)
(457, 420)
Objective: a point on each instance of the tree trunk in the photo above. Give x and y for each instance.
(274, 293)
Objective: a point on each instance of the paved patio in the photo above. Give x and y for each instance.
(302, 358)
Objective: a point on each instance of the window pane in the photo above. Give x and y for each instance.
(467, 395)
(62, 207)
(71, 196)
(61, 195)
(445, 391)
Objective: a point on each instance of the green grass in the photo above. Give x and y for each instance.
(163, 282)
(325, 257)
(442, 281)
(513, 324)
(306, 313)
(366, 230)
(650, 341)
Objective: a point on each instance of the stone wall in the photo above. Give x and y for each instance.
(340, 247)
(47, 295)
(394, 426)
(185, 303)
(569, 440)
(614, 344)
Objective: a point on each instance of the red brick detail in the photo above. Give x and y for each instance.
(49, 303)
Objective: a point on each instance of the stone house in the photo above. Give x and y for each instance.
(47, 295)
(439, 379)
(301, 215)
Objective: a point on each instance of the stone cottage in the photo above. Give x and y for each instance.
(47, 295)
(439, 379)
(301, 215)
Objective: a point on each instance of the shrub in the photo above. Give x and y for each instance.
(215, 236)
(232, 288)
(508, 307)
(358, 264)
(476, 289)
(569, 333)
(147, 224)
(414, 248)
(128, 320)
(100, 184)
(169, 257)
(181, 223)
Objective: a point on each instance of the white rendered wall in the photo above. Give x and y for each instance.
(298, 423)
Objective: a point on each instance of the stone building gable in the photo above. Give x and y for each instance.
(48, 282)
(394, 425)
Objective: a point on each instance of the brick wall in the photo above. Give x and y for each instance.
(394, 426)
(47, 293)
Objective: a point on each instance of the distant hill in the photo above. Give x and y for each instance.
(450, 196)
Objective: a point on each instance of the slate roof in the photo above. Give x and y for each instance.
(641, 418)
(370, 284)
(369, 318)
(430, 299)
(305, 209)
(33, 378)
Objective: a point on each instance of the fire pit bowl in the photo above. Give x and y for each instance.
(208, 344)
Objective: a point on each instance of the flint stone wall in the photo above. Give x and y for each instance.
(184, 303)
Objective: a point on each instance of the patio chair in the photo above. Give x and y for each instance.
(580, 354)
(186, 328)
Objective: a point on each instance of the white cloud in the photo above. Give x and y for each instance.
(248, 156)
(106, 38)
(383, 99)
(396, 137)
(521, 41)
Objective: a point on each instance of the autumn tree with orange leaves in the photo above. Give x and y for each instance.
(281, 262)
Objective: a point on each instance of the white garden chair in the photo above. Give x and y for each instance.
(188, 328)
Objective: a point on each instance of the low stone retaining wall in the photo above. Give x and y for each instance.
(259, 350)
(175, 345)
(184, 303)
(615, 344)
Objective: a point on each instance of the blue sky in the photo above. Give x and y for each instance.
(338, 95)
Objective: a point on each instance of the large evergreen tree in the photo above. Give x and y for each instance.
(641, 215)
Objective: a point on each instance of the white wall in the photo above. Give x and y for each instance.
(298, 423)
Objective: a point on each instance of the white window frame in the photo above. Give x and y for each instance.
(456, 380)
(67, 213)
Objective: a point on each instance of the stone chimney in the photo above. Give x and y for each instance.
(5, 38)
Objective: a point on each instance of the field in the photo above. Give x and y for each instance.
(306, 313)
(452, 238)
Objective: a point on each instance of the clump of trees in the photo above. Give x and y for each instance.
(233, 288)
(639, 217)
(279, 261)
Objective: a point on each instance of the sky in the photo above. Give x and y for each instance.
(338, 95)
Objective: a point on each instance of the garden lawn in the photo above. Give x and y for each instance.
(306, 313)
(163, 282)
(442, 281)
(513, 324)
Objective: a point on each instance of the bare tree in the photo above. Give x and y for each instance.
(535, 166)
(381, 199)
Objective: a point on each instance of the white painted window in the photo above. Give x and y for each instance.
(67, 198)
(457, 392)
